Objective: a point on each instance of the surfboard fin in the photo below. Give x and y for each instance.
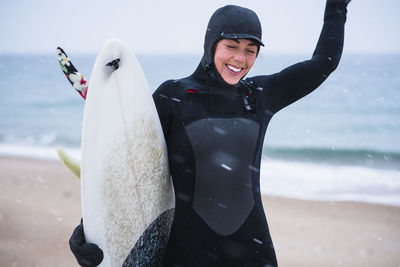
(74, 77)
(72, 164)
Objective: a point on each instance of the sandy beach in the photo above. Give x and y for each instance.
(40, 206)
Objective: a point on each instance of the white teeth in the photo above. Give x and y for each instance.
(233, 68)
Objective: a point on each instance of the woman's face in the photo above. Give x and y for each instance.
(234, 58)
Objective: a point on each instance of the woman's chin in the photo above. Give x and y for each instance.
(232, 80)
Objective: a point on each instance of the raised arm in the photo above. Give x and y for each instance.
(296, 81)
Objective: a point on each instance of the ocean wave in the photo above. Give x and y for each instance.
(40, 140)
(337, 156)
(34, 151)
(327, 182)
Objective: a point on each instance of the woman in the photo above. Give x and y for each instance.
(214, 122)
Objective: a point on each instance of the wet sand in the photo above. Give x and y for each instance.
(40, 206)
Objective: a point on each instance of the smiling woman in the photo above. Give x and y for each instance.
(214, 122)
(234, 58)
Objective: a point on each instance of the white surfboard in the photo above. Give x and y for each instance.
(127, 192)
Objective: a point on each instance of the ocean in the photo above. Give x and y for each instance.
(340, 143)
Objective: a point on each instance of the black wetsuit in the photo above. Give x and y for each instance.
(215, 133)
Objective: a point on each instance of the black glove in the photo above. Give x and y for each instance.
(338, 1)
(87, 254)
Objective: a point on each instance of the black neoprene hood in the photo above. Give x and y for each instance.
(230, 22)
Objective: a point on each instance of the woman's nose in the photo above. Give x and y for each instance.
(239, 56)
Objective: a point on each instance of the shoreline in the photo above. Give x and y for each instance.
(40, 207)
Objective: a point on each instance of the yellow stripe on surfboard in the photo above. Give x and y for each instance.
(72, 164)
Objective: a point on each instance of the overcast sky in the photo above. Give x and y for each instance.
(178, 26)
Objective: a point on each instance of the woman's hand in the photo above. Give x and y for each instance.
(338, 1)
(87, 254)
(336, 8)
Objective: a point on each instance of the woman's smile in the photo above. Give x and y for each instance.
(234, 69)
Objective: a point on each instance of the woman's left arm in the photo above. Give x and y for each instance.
(330, 44)
(298, 80)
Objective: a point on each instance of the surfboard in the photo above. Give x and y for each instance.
(126, 190)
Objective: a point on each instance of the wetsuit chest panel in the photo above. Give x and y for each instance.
(224, 148)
